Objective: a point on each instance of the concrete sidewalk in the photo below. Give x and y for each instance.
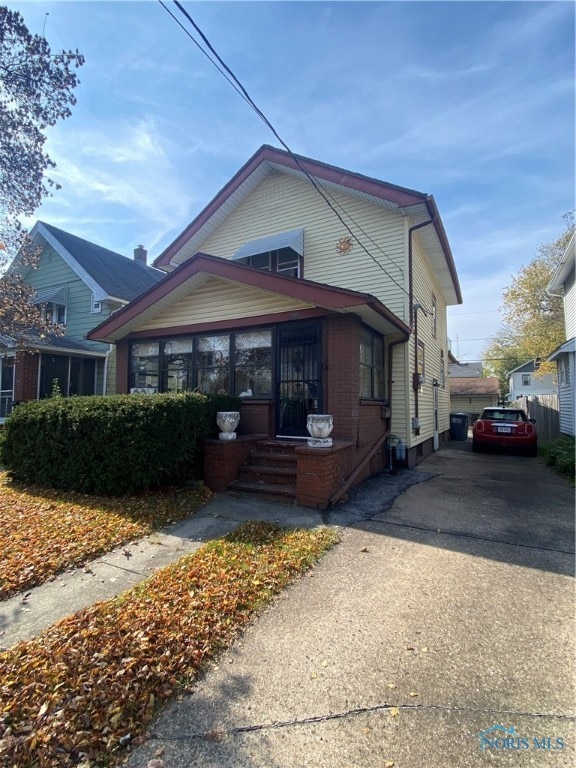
(447, 614)
(26, 615)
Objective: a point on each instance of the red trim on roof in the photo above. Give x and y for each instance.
(328, 296)
(399, 195)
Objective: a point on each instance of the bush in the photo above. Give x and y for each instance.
(110, 445)
(560, 455)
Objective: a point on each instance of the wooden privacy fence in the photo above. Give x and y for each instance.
(546, 410)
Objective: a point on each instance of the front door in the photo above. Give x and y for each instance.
(298, 387)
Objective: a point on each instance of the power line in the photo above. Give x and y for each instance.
(241, 90)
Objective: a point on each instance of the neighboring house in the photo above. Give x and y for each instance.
(563, 283)
(525, 381)
(272, 299)
(471, 395)
(466, 370)
(77, 284)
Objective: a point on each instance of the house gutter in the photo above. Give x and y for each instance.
(414, 317)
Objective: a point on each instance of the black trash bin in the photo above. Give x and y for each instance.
(458, 426)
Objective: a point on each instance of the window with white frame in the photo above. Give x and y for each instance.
(96, 306)
(563, 372)
(525, 379)
(283, 261)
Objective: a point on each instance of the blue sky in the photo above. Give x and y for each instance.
(472, 102)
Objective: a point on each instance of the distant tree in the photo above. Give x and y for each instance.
(503, 354)
(36, 90)
(534, 320)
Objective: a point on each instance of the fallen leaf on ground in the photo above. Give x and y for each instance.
(99, 675)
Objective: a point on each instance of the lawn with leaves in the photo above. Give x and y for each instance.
(43, 531)
(87, 687)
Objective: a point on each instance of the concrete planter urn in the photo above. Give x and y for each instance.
(319, 425)
(227, 422)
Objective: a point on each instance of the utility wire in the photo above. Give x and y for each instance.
(239, 88)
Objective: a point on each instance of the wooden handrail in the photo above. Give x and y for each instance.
(375, 446)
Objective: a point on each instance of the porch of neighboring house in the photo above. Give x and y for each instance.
(34, 375)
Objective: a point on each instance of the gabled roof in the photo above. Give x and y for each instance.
(564, 268)
(472, 387)
(564, 349)
(108, 274)
(527, 367)
(466, 370)
(194, 272)
(419, 206)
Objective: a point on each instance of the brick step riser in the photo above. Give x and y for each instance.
(260, 475)
(264, 491)
(278, 446)
(280, 460)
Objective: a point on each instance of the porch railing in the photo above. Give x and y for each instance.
(6, 403)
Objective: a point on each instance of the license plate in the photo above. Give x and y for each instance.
(504, 430)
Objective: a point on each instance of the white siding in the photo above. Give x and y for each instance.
(216, 300)
(282, 203)
(570, 306)
(426, 285)
(566, 397)
(399, 401)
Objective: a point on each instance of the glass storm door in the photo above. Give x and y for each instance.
(298, 388)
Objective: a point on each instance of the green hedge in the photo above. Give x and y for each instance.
(110, 445)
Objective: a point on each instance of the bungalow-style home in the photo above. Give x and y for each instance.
(563, 283)
(469, 394)
(304, 289)
(77, 283)
(524, 381)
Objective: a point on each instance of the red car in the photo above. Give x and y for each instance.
(505, 428)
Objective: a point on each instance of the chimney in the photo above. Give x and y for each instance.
(140, 254)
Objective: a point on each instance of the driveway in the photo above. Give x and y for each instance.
(448, 614)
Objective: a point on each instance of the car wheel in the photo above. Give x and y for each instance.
(476, 447)
(533, 450)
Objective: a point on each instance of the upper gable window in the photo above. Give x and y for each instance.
(281, 253)
(95, 306)
(283, 261)
(52, 304)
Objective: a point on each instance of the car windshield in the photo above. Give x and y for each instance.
(501, 415)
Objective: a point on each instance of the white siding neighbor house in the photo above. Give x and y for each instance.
(563, 283)
(525, 381)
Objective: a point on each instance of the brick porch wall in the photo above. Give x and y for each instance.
(321, 471)
(223, 459)
(341, 378)
(26, 377)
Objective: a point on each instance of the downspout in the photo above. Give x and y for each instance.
(414, 315)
